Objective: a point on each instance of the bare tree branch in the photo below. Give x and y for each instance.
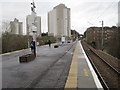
(5, 26)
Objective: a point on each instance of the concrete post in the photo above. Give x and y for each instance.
(102, 37)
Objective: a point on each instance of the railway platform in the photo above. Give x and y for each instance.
(63, 67)
(82, 74)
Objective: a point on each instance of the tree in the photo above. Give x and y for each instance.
(5, 26)
(118, 28)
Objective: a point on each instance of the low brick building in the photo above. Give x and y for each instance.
(93, 35)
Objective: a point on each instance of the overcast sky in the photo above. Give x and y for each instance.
(84, 13)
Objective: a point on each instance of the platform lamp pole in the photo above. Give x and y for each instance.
(102, 36)
(33, 27)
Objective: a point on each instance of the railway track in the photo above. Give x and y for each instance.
(107, 73)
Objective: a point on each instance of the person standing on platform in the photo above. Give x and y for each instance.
(33, 48)
(49, 42)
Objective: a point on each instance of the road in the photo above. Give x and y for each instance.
(49, 69)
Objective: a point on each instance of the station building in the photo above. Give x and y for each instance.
(94, 35)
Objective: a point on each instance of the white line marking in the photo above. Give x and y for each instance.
(14, 52)
(97, 82)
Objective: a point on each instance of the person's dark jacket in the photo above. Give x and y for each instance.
(32, 45)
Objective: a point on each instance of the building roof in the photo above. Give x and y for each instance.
(60, 5)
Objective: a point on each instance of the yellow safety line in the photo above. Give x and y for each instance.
(72, 76)
(85, 72)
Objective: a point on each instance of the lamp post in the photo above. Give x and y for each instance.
(33, 27)
(102, 37)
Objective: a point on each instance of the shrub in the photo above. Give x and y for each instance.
(13, 42)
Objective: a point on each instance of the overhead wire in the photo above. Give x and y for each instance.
(106, 9)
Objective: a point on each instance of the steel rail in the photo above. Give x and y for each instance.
(96, 70)
(114, 69)
(105, 86)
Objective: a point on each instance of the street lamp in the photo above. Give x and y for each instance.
(33, 27)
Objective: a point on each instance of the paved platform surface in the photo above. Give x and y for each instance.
(81, 74)
(48, 70)
(63, 67)
(85, 78)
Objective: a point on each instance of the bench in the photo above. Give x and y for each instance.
(26, 58)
